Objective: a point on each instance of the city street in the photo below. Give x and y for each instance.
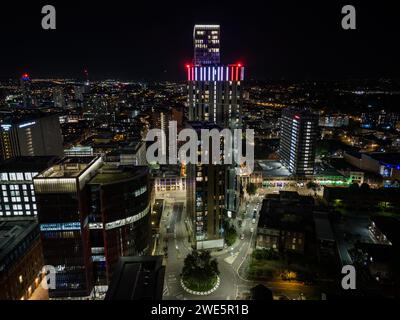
(231, 261)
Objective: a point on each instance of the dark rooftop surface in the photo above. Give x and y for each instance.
(354, 154)
(109, 174)
(289, 212)
(16, 120)
(261, 292)
(137, 278)
(12, 232)
(271, 168)
(390, 227)
(323, 227)
(326, 170)
(27, 164)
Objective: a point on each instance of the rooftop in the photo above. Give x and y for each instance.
(261, 292)
(287, 213)
(389, 226)
(125, 148)
(325, 169)
(167, 171)
(69, 167)
(323, 227)
(109, 174)
(272, 168)
(12, 232)
(27, 164)
(137, 278)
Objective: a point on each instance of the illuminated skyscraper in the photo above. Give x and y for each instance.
(40, 136)
(25, 82)
(214, 94)
(214, 98)
(206, 190)
(298, 140)
(206, 44)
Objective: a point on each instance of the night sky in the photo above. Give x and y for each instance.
(152, 40)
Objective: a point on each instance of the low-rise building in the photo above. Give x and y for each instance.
(169, 178)
(387, 165)
(284, 223)
(385, 230)
(21, 258)
(326, 242)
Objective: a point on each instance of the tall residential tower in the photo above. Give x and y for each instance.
(206, 44)
(298, 140)
(214, 94)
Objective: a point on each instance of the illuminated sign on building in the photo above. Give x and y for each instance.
(27, 124)
(60, 226)
(6, 127)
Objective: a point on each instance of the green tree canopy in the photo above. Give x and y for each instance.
(312, 185)
(251, 189)
(199, 265)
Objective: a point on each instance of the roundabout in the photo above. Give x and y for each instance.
(217, 282)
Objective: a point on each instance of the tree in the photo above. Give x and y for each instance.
(354, 187)
(200, 270)
(230, 234)
(199, 263)
(312, 185)
(251, 189)
(322, 148)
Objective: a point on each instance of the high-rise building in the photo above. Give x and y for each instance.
(206, 40)
(63, 209)
(214, 96)
(214, 90)
(79, 91)
(159, 119)
(205, 194)
(17, 194)
(40, 136)
(133, 154)
(119, 219)
(299, 129)
(59, 98)
(25, 83)
(90, 214)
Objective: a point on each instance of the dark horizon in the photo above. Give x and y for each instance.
(154, 41)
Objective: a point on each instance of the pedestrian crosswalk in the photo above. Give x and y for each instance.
(165, 291)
